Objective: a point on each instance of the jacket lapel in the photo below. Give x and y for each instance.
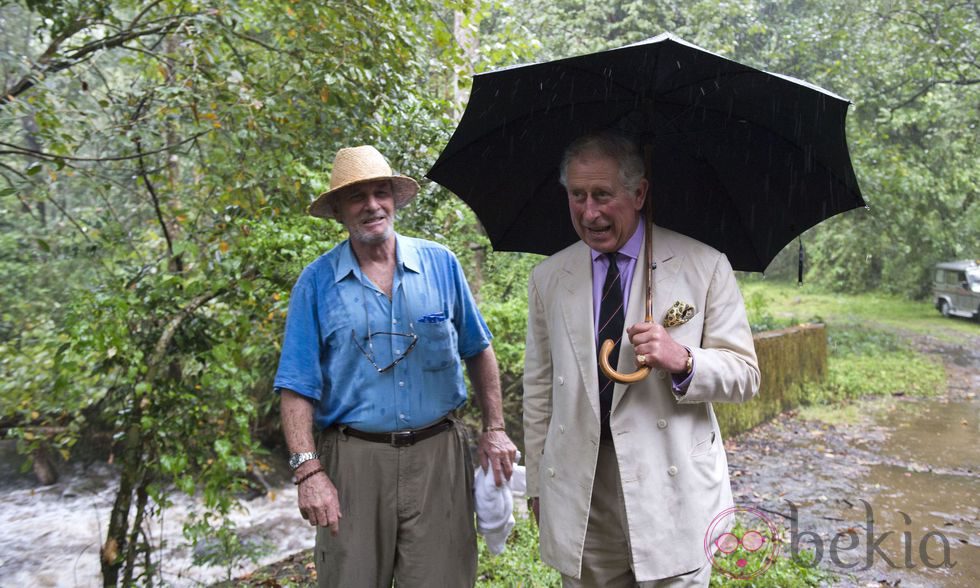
(576, 279)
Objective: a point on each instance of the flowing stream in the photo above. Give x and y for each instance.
(51, 535)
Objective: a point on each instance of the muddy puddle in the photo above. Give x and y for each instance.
(892, 499)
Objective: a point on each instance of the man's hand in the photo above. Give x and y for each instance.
(497, 451)
(536, 509)
(658, 348)
(318, 500)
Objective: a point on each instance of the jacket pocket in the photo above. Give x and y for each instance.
(683, 330)
(704, 446)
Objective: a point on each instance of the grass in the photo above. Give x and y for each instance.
(869, 362)
(519, 565)
(807, 303)
(832, 414)
(869, 356)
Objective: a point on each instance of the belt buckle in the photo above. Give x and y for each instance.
(402, 438)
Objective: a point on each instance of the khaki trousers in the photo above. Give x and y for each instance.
(606, 558)
(407, 513)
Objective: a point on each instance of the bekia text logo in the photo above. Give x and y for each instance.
(741, 543)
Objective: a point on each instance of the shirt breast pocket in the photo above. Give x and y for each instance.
(437, 344)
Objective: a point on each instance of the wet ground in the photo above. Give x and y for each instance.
(890, 498)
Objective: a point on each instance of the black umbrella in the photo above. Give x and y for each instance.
(741, 159)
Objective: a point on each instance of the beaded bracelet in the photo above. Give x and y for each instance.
(497, 428)
(308, 475)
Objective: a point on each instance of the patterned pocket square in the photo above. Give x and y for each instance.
(678, 314)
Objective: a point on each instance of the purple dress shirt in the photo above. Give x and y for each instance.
(629, 254)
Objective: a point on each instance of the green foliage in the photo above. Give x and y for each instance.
(872, 309)
(761, 318)
(219, 544)
(786, 569)
(843, 342)
(519, 564)
(882, 373)
(158, 160)
(832, 414)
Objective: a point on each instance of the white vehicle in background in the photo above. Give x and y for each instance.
(956, 288)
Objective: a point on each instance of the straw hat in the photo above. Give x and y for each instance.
(356, 165)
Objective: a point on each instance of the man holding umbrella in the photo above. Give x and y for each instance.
(375, 337)
(626, 478)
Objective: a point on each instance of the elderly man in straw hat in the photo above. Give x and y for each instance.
(371, 358)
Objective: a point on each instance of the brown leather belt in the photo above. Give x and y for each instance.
(401, 438)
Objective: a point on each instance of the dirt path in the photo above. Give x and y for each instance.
(887, 497)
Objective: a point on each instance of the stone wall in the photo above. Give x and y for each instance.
(790, 360)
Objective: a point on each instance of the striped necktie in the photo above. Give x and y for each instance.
(611, 322)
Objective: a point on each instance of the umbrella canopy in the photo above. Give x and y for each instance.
(741, 159)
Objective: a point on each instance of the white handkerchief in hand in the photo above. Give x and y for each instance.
(495, 508)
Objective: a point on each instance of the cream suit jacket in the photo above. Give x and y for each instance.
(671, 458)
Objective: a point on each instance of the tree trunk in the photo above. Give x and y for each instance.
(116, 546)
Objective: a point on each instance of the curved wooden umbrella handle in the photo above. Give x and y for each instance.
(611, 372)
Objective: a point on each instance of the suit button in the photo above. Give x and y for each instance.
(661, 374)
(662, 424)
(672, 471)
(551, 473)
(561, 428)
(561, 380)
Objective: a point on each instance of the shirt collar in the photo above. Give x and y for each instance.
(406, 255)
(632, 247)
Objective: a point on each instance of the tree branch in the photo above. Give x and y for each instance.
(18, 150)
(47, 64)
(156, 207)
(929, 86)
(160, 350)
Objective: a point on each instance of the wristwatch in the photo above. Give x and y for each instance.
(298, 459)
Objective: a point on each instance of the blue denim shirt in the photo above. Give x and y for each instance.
(333, 298)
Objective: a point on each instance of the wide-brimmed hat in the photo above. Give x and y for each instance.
(356, 165)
